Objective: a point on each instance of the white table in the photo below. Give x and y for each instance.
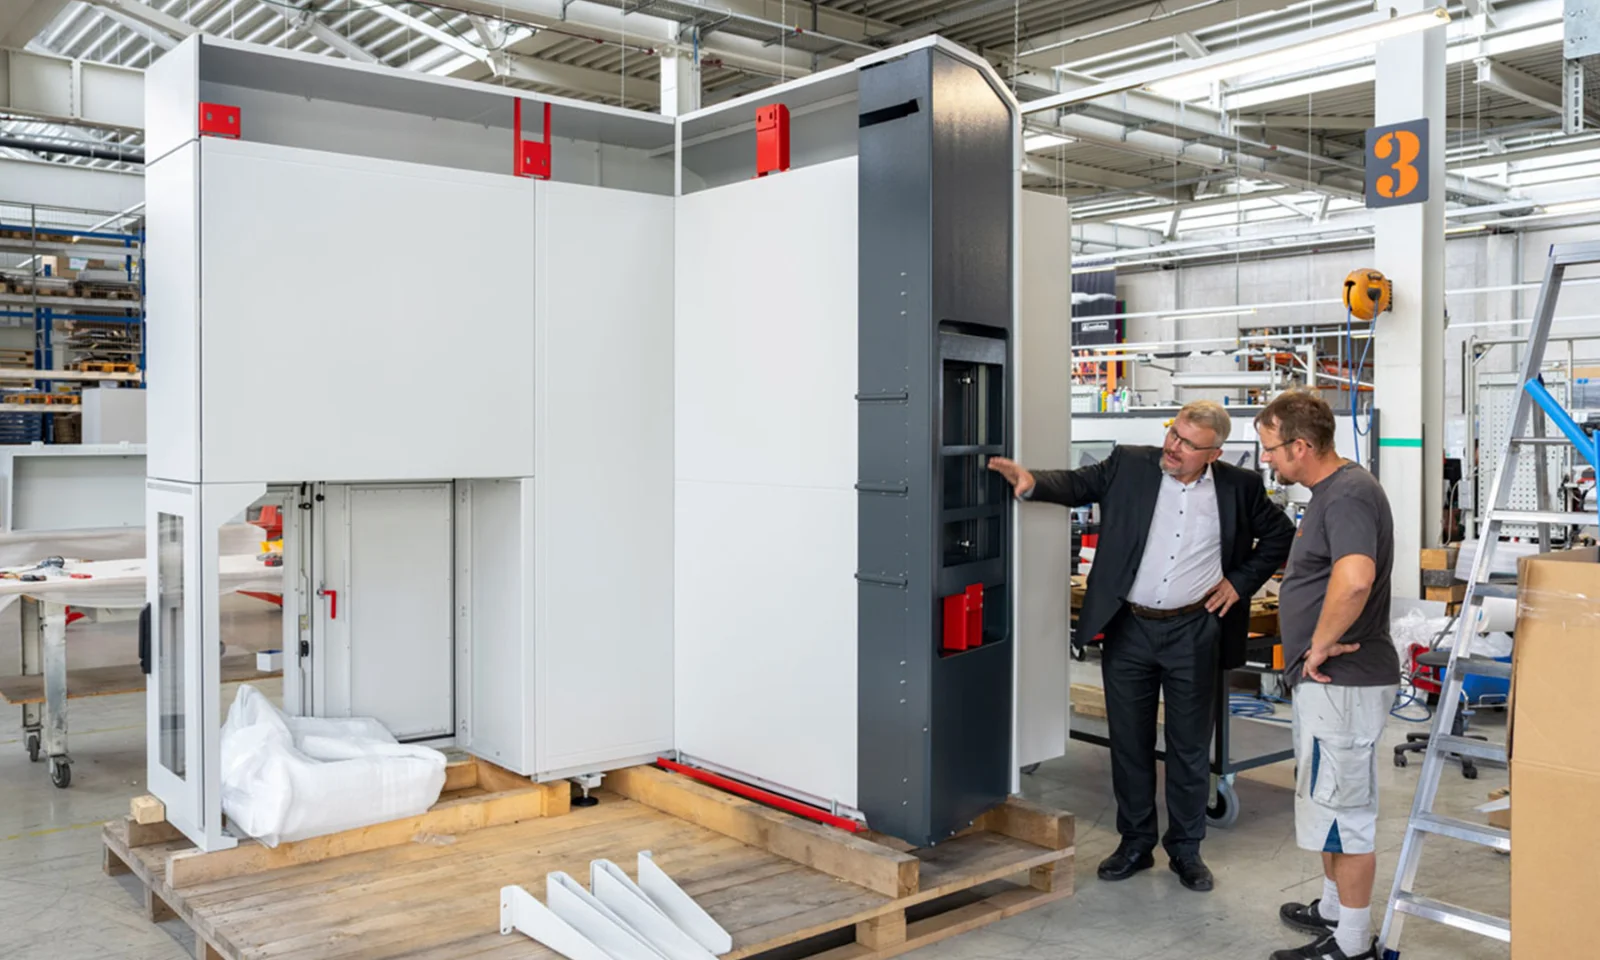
(113, 589)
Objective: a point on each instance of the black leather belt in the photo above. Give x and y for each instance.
(1151, 613)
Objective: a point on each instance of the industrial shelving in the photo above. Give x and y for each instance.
(90, 318)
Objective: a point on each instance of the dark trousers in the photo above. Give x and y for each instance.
(1143, 659)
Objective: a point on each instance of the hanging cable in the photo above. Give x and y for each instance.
(1354, 381)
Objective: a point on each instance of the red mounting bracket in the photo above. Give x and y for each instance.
(963, 619)
(772, 139)
(219, 120)
(533, 156)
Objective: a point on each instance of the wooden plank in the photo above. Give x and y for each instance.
(449, 818)
(1032, 823)
(147, 810)
(122, 678)
(557, 793)
(156, 909)
(882, 932)
(111, 864)
(881, 870)
(146, 834)
(460, 775)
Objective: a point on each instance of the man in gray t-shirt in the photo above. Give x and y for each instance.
(1333, 615)
(1348, 516)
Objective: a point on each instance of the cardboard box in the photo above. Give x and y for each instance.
(1555, 757)
(1439, 558)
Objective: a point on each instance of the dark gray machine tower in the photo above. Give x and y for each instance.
(934, 634)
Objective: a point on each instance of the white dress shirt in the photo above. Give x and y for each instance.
(1183, 553)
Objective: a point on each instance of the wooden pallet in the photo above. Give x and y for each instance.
(105, 366)
(42, 398)
(771, 879)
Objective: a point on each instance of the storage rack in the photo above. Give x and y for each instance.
(98, 321)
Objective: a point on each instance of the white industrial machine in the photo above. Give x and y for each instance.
(512, 546)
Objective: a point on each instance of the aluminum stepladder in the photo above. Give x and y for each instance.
(1531, 396)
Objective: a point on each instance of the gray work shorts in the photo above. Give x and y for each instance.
(1336, 731)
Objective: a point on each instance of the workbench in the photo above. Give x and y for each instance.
(104, 590)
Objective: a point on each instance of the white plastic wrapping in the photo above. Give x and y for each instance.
(290, 778)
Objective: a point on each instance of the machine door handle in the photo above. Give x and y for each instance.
(333, 602)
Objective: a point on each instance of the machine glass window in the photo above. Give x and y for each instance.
(170, 642)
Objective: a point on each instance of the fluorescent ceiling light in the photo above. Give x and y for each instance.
(1242, 378)
(1572, 206)
(1335, 42)
(1469, 228)
(1044, 141)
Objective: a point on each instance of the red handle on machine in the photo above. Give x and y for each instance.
(333, 602)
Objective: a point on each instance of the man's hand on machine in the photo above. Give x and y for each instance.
(1222, 598)
(1015, 473)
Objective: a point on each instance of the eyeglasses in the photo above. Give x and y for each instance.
(1279, 446)
(1186, 443)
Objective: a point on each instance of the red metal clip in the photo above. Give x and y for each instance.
(963, 619)
(533, 156)
(772, 139)
(333, 602)
(219, 120)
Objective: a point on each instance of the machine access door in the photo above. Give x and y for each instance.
(382, 599)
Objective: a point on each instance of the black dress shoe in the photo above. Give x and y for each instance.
(1125, 863)
(1192, 871)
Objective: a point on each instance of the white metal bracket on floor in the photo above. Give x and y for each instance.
(521, 912)
(616, 891)
(597, 922)
(681, 908)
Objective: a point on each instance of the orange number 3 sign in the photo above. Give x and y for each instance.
(1408, 146)
(1397, 164)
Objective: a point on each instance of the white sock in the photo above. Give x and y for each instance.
(1329, 905)
(1354, 933)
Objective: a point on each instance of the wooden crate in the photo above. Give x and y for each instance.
(1439, 558)
(771, 879)
(1451, 594)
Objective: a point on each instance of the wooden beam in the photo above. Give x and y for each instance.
(1029, 822)
(147, 810)
(452, 817)
(145, 834)
(888, 872)
(881, 932)
(155, 908)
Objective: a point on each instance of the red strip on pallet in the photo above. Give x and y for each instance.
(762, 796)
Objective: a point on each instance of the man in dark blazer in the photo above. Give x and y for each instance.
(1185, 542)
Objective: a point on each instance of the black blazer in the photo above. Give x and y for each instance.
(1256, 535)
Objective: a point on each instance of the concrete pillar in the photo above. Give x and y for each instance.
(1409, 249)
(680, 76)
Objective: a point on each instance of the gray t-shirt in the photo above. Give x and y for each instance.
(1348, 514)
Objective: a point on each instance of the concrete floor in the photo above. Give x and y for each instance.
(57, 904)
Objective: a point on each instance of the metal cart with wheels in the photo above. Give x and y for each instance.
(1238, 744)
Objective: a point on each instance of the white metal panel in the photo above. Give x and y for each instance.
(765, 633)
(388, 554)
(111, 94)
(72, 487)
(172, 331)
(114, 415)
(603, 476)
(1044, 532)
(765, 353)
(41, 85)
(496, 624)
(171, 101)
(766, 332)
(354, 304)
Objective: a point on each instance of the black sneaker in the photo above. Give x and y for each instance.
(1307, 917)
(1326, 948)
